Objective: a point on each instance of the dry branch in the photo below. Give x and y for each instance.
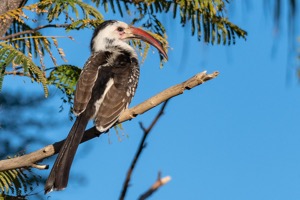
(34, 30)
(160, 182)
(30, 160)
(140, 149)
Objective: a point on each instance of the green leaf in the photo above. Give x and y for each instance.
(14, 183)
(56, 8)
(9, 54)
(64, 78)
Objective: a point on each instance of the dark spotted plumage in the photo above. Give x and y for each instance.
(119, 66)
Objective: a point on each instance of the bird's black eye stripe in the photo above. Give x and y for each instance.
(120, 29)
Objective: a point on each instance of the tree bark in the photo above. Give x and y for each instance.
(5, 6)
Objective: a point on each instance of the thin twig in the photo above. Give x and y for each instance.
(34, 30)
(28, 159)
(16, 73)
(139, 150)
(158, 183)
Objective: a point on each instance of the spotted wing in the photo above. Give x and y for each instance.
(87, 80)
(120, 90)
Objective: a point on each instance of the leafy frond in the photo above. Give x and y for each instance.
(27, 41)
(89, 10)
(65, 77)
(11, 56)
(206, 17)
(83, 23)
(18, 14)
(54, 9)
(57, 8)
(31, 43)
(17, 183)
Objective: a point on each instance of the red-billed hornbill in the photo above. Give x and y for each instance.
(104, 89)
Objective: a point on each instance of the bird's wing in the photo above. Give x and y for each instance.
(114, 102)
(119, 92)
(87, 80)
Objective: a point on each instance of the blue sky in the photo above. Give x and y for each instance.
(234, 137)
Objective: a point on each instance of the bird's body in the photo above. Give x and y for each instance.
(105, 88)
(113, 85)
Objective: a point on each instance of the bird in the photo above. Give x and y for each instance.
(105, 88)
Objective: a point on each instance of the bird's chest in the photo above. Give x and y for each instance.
(124, 69)
(126, 78)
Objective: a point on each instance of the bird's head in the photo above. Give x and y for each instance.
(117, 33)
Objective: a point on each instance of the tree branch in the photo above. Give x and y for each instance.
(140, 149)
(158, 183)
(169, 93)
(34, 30)
(17, 73)
(29, 160)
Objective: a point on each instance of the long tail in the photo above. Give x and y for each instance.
(59, 175)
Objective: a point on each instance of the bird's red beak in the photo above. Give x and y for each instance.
(146, 37)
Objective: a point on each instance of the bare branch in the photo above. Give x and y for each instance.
(16, 73)
(140, 149)
(28, 160)
(169, 93)
(34, 30)
(160, 182)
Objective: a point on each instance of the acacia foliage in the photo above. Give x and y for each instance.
(24, 43)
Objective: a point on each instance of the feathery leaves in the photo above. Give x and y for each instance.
(11, 56)
(89, 15)
(206, 17)
(17, 183)
(65, 77)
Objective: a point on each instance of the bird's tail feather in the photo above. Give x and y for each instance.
(59, 175)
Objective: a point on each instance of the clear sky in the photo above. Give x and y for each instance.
(235, 137)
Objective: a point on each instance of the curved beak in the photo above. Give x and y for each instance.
(146, 37)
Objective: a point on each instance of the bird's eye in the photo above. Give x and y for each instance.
(120, 29)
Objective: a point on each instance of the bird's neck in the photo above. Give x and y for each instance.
(113, 45)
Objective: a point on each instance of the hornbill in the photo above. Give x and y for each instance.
(104, 89)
